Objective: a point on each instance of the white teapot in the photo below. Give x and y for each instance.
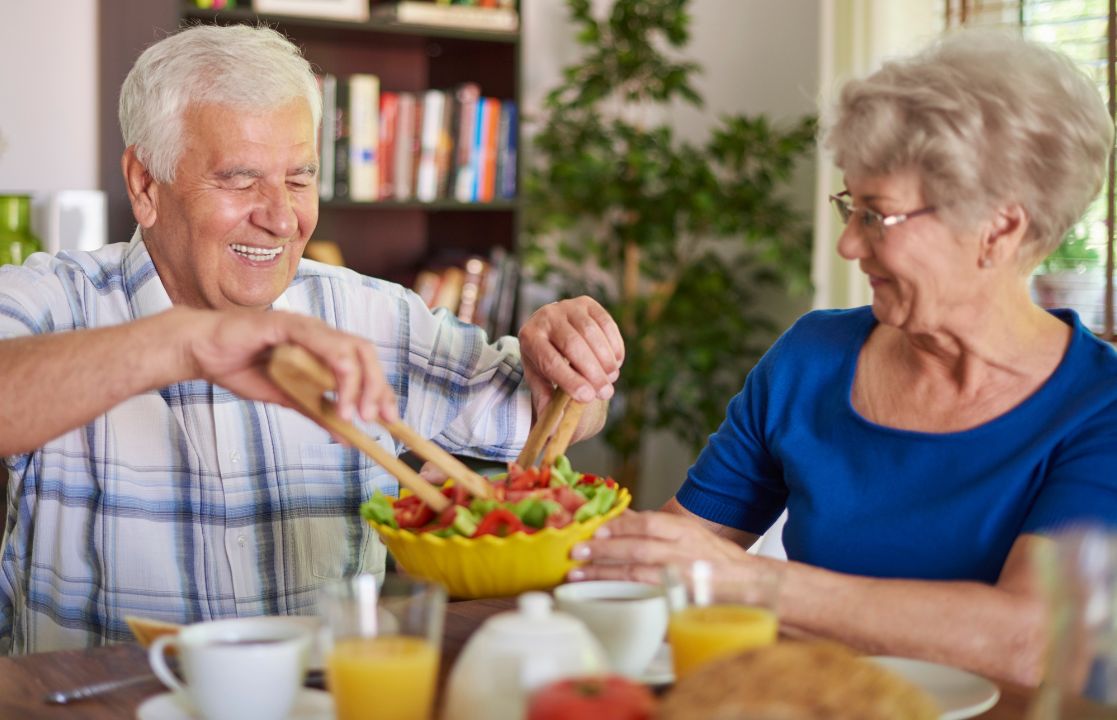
(514, 653)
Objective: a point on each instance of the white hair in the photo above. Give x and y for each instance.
(984, 118)
(235, 65)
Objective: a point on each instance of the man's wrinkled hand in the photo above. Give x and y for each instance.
(231, 349)
(575, 345)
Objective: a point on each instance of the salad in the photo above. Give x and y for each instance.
(524, 500)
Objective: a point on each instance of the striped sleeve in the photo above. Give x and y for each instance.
(29, 295)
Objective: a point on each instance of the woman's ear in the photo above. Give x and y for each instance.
(142, 188)
(1005, 237)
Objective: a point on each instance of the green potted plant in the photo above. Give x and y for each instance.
(676, 239)
(1072, 277)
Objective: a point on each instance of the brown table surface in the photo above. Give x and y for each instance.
(25, 680)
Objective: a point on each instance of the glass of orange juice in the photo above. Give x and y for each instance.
(715, 615)
(381, 643)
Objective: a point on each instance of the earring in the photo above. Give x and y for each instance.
(986, 262)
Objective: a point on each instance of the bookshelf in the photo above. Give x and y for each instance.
(386, 238)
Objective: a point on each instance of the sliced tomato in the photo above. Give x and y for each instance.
(588, 479)
(445, 519)
(559, 518)
(513, 495)
(514, 471)
(570, 499)
(529, 479)
(499, 522)
(458, 495)
(411, 512)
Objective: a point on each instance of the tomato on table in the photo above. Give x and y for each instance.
(608, 697)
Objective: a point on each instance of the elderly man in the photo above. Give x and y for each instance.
(150, 474)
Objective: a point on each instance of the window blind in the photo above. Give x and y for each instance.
(1086, 31)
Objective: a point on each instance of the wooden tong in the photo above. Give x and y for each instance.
(305, 379)
(564, 412)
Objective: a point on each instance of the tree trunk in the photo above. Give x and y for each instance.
(631, 440)
(628, 472)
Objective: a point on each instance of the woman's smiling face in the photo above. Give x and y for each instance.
(921, 270)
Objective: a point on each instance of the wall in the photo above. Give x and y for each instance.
(48, 116)
(759, 56)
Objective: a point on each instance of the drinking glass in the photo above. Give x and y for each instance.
(382, 644)
(715, 614)
(1078, 571)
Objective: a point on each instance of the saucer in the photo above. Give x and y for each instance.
(309, 705)
(659, 670)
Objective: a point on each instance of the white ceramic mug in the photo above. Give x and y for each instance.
(237, 669)
(628, 618)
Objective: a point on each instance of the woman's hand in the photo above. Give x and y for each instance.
(638, 545)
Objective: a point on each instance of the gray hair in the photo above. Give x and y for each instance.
(237, 65)
(984, 118)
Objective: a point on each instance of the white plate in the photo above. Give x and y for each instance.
(959, 694)
(660, 670)
(309, 705)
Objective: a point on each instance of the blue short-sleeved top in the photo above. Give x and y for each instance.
(878, 501)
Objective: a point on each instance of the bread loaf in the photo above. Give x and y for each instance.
(796, 681)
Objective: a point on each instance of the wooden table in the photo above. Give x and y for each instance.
(25, 680)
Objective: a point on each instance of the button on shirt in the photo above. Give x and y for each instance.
(187, 503)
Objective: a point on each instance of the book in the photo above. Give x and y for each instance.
(364, 136)
(341, 140)
(444, 148)
(416, 143)
(327, 133)
(475, 270)
(389, 121)
(507, 147)
(426, 185)
(497, 19)
(466, 97)
(490, 286)
(426, 285)
(505, 303)
(449, 292)
(486, 167)
(405, 133)
(475, 152)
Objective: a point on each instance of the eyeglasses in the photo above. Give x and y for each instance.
(870, 219)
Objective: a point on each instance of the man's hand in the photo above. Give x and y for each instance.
(231, 349)
(575, 345)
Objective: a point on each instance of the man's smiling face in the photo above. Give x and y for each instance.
(230, 229)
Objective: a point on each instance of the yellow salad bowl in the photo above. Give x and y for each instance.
(491, 566)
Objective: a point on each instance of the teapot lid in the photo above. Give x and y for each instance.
(535, 617)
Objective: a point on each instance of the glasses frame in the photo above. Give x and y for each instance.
(871, 219)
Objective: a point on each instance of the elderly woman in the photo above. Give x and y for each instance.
(921, 446)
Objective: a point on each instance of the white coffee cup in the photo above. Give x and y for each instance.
(237, 669)
(628, 618)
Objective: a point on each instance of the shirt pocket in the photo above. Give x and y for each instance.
(330, 537)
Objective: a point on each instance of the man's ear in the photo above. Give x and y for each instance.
(1005, 237)
(142, 188)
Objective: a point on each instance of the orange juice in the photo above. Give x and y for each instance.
(700, 634)
(387, 678)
